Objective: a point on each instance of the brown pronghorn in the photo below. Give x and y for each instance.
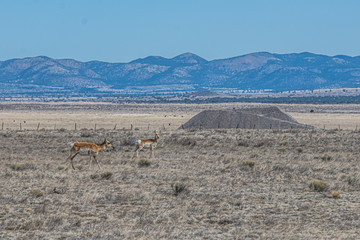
(141, 143)
(85, 148)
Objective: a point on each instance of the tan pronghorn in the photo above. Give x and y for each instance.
(85, 149)
(141, 143)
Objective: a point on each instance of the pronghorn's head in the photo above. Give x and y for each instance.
(157, 135)
(108, 144)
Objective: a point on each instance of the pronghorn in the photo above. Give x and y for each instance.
(85, 148)
(141, 143)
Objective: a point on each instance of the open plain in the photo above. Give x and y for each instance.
(201, 184)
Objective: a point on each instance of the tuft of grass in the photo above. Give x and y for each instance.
(299, 149)
(335, 194)
(228, 166)
(284, 143)
(17, 166)
(254, 155)
(352, 181)
(128, 168)
(318, 185)
(326, 157)
(21, 166)
(36, 193)
(247, 164)
(94, 176)
(144, 163)
(179, 188)
(282, 149)
(61, 167)
(106, 175)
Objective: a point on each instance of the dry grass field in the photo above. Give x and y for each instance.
(201, 184)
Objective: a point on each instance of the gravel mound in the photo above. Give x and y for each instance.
(248, 118)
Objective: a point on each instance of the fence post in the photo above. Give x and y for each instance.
(75, 126)
(95, 126)
(20, 127)
(2, 126)
(38, 126)
(115, 126)
(131, 127)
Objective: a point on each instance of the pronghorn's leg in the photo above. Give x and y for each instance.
(137, 149)
(71, 160)
(152, 151)
(72, 151)
(91, 157)
(97, 161)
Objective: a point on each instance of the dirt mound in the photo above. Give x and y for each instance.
(249, 118)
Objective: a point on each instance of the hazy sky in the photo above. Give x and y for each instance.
(124, 30)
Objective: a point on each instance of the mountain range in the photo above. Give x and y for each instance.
(184, 73)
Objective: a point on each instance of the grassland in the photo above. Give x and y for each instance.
(201, 184)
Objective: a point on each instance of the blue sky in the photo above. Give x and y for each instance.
(124, 30)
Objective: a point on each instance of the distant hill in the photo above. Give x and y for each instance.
(184, 73)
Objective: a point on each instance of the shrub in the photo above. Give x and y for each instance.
(106, 175)
(353, 181)
(326, 157)
(128, 140)
(299, 149)
(187, 141)
(247, 164)
(263, 142)
(179, 188)
(144, 163)
(318, 186)
(254, 155)
(94, 176)
(86, 134)
(243, 143)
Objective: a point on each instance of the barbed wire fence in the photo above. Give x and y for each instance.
(22, 126)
